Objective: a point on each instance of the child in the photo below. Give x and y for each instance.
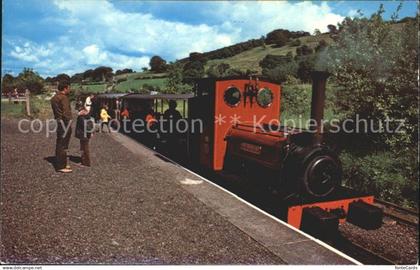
(104, 117)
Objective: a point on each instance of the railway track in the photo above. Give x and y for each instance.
(400, 214)
(360, 253)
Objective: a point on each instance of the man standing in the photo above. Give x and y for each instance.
(62, 113)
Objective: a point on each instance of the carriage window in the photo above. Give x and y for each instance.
(232, 96)
(265, 97)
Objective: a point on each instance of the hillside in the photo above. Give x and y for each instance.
(250, 59)
(243, 61)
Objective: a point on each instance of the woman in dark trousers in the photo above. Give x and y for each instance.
(84, 129)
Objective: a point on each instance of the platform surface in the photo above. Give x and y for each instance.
(130, 207)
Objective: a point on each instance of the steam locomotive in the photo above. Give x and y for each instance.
(241, 132)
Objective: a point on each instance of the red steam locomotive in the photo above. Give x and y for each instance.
(241, 132)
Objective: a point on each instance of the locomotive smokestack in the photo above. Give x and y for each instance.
(319, 80)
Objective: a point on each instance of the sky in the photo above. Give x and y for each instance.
(57, 36)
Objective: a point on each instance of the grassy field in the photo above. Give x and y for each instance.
(140, 75)
(94, 88)
(40, 108)
(12, 110)
(133, 83)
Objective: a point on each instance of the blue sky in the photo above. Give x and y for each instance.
(55, 36)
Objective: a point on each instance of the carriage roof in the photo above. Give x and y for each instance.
(159, 96)
(111, 95)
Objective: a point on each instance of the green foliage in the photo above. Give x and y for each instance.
(271, 61)
(306, 67)
(157, 64)
(304, 50)
(279, 39)
(218, 71)
(376, 68)
(383, 174)
(27, 79)
(124, 71)
(282, 72)
(194, 69)
(174, 83)
(281, 36)
(12, 110)
(228, 51)
(102, 74)
(296, 43)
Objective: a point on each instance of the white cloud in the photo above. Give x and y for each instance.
(29, 52)
(253, 19)
(97, 33)
(93, 55)
(352, 13)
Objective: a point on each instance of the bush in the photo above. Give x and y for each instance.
(123, 79)
(282, 72)
(271, 61)
(295, 43)
(380, 173)
(306, 66)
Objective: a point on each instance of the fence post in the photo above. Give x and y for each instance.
(27, 100)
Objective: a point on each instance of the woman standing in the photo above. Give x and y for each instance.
(84, 130)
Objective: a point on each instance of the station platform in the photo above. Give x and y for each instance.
(132, 207)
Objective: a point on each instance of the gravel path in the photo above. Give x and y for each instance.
(122, 210)
(397, 242)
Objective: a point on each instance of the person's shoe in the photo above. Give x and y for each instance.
(65, 170)
(68, 167)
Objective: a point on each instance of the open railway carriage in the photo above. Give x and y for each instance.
(241, 133)
(111, 100)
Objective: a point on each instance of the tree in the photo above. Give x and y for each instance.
(305, 68)
(218, 71)
(317, 32)
(295, 43)
(279, 38)
(28, 79)
(193, 69)
(271, 61)
(304, 50)
(157, 64)
(322, 44)
(282, 72)
(376, 67)
(76, 78)
(332, 29)
(174, 83)
(8, 83)
(102, 74)
(124, 71)
(61, 78)
(88, 74)
(263, 42)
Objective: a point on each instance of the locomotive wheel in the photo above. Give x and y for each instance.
(322, 175)
(312, 171)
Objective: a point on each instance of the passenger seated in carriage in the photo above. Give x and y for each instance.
(171, 117)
